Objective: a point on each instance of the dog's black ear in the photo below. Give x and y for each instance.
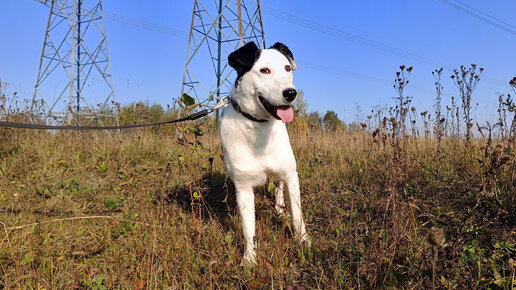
(243, 59)
(286, 52)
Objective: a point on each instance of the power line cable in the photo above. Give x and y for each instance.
(289, 18)
(146, 24)
(358, 39)
(481, 16)
(139, 23)
(344, 73)
(496, 19)
(354, 75)
(349, 37)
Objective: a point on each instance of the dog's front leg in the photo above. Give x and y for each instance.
(245, 201)
(297, 214)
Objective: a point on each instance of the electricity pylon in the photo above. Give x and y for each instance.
(218, 29)
(74, 76)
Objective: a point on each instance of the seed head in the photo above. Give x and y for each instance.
(376, 132)
(435, 236)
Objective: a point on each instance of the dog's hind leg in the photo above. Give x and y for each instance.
(245, 201)
(297, 214)
(280, 199)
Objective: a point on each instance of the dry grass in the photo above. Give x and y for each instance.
(135, 210)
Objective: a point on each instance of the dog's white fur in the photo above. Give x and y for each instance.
(254, 150)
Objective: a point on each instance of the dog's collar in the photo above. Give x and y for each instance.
(247, 115)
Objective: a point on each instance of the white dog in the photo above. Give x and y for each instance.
(254, 137)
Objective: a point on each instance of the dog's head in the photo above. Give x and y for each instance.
(264, 86)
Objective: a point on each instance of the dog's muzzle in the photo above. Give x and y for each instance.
(283, 113)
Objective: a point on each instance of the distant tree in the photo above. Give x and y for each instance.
(332, 122)
(300, 106)
(300, 123)
(314, 120)
(355, 126)
(139, 112)
(156, 112)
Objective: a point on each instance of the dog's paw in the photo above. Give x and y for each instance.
(249, 259)
(306, 241)
(281, 210)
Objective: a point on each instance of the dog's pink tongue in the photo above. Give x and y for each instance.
(286, 114)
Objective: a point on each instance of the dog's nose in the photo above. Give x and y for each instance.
(289, 94)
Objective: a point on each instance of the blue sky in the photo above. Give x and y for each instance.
(334, 72)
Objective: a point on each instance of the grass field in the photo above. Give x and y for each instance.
(92, 210)
(148, 208)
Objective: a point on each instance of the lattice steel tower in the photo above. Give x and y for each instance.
(74, 76)
(218, 28)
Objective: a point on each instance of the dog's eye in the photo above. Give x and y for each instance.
(288, 68)
(265, 70)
